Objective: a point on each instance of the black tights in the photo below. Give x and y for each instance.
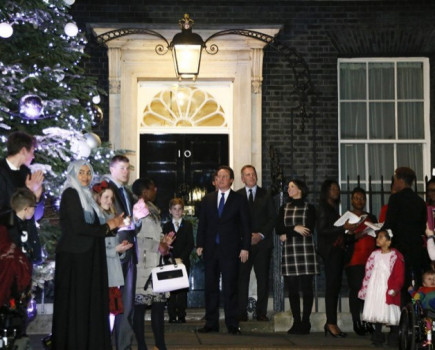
(305, 283)
(157, 325)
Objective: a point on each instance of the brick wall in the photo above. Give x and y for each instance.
(321, 31)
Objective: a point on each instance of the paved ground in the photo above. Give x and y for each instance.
(255, 335)
(186, 337)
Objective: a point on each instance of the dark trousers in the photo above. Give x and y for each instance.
(259, 258)
(416, 262)
(333, 276)
(157, 325)
(355, 276)
(177, 304)
(217, 263)
(303, 283)
(123, 326)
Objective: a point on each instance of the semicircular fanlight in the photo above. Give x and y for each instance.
(183, 107)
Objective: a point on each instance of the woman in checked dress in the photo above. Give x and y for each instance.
(295, 227)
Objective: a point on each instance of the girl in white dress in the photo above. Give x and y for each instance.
(383, 280)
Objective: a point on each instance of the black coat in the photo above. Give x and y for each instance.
(233, 227)
(183, 244)
(125, 235)
(327, 233)
(406, 217)
(77, 235)
(262, 215)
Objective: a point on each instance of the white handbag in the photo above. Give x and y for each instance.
(167, 278)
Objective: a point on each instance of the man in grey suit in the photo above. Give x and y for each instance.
(262, 213)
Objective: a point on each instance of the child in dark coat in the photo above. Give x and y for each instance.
(182, 247)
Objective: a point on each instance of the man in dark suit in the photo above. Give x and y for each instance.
(224, 237)
(263, 216)
(119, 176)
(406, 217)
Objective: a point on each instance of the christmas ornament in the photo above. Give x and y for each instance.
(69, 2)
(71, 29)
(59, 75)
(98, 115)
(6, 30)
(96, 99)
(92, 139)
(80, 148)
(31, 107)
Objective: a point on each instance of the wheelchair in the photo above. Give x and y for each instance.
(12, 323)
(416, 327)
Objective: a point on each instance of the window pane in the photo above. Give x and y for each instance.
(352, 161)
(353, 120)
(410, 120)
(381, 160)
(345, 196)
(379, 194)
(411, 155)
(382, 120)
(410, 80)
(352, 81)
(381, 81)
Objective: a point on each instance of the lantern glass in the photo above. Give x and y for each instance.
(187, 60)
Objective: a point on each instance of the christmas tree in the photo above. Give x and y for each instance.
(44, 91)
(43, 88)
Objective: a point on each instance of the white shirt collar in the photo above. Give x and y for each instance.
(119, 185)
(227, 193)
(254, 190)
(13, 167)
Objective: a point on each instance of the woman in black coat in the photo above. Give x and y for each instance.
(330, 248)
(81, 292)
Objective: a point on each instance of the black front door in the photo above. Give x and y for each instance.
(179, 163)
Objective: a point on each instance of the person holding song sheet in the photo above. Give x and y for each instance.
(151, 245)
(359, 245)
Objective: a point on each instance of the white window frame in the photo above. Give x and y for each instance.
(426, 142)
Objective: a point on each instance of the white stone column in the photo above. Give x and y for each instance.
(256, 105)
(114, 55)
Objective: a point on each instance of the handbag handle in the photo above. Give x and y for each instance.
(162, 261)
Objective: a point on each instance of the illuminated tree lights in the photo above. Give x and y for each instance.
(43, 88)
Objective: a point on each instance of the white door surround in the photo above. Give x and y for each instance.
(132, 58)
